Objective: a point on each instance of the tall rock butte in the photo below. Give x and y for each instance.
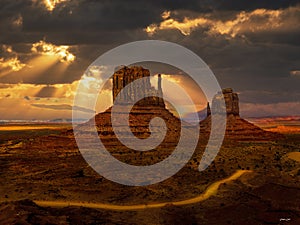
(142, 112)
(231, 100)
(236, 127)
(137, 88)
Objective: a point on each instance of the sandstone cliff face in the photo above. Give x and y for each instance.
(137, 90)
(231, 102)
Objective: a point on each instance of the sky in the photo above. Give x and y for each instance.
(46, 46)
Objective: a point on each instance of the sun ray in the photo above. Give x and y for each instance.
(38, 65)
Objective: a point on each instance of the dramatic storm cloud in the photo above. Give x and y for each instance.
(46, 46)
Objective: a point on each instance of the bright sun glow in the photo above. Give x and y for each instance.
(50, 4)
(52, 50)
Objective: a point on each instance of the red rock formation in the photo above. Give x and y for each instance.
(231, 102)
(125, 76)
(148, 108)
(236, 127)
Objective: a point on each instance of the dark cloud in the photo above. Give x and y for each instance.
(251, 5)
(78, 22)
(212, 5)
(269, 96)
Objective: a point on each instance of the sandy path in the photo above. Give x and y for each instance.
(211, 190)
(294, 156)
(32, 127)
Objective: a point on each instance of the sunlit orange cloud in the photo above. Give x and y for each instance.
(7, 48)
(50, 4)
(44, 56)
(166, 15)
(255, 20)
(185, 27)
(47, 55)
(61, 51)
(13, 63)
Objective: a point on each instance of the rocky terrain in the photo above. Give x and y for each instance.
(50, 167)
(45, 165)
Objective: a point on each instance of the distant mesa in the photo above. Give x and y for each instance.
(236, 127)
(231, 102)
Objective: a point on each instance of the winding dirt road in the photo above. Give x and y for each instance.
(211, 190)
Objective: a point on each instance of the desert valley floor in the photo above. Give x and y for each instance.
(45, 180)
